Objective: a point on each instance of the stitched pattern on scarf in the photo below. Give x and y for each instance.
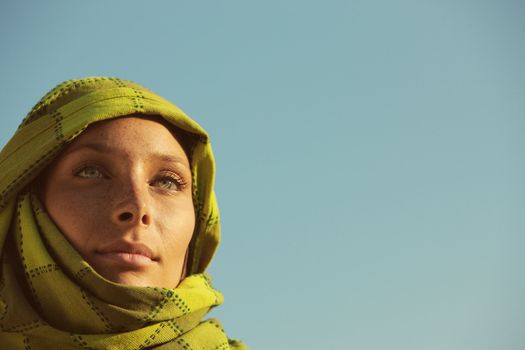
(57, 118)
(22, 257)
(25, 327)
(184, 344)
(100, 315)
(81, 273)
(37, 271)
(78, 340)
(25, 174)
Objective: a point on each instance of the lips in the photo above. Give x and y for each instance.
(128, 254)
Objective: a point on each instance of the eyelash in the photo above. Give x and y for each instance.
(176, 180)
(90, 167)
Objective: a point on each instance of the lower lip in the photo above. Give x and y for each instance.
(128, 259)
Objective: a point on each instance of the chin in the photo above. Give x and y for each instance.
(132, 278)
(129, 278)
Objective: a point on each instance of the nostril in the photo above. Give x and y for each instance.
(125, 216)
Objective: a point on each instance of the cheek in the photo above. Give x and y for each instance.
(75, 213)
(178, 225)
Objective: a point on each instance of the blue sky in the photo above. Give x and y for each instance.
(370, 154)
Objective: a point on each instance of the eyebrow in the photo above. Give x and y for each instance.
(101, 148)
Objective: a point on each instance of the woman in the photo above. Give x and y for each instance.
(108, 220)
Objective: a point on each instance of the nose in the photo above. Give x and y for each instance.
(132, 206)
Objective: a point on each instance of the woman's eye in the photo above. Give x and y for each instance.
(89, 172)
(169, 183)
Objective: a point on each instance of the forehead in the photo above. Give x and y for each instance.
(130, 136)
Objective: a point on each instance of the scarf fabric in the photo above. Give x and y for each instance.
(50, 297)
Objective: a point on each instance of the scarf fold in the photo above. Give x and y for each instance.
(50, 297)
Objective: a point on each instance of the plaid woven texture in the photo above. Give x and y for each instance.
(50, 298)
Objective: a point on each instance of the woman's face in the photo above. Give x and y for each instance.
(121, 193)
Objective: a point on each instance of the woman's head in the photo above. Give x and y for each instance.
(109, 158)
(121, 193)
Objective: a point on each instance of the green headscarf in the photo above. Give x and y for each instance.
(50, 297)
